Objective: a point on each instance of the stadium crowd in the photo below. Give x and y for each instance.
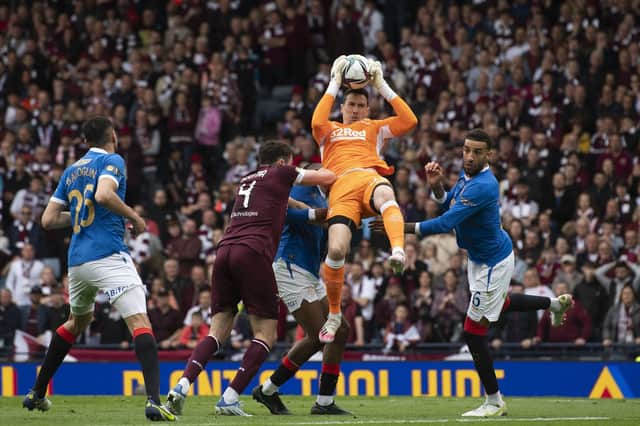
(195, 86)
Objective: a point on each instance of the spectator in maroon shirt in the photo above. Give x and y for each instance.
(166, 321)
(623, 165)
(186, 247)
(181, 123)
(182, 287)
(575, 329)
(352, 314)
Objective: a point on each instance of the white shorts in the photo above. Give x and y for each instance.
(116, 276)
(489, 287)
(296, 285)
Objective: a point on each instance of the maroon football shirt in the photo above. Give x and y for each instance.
(260, 208)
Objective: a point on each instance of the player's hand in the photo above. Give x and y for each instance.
(377, 78)
(320, 216)
(376, 225)
(435, 174)
(337, 68)
(138, 226)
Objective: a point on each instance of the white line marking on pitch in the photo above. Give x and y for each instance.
(425, 421)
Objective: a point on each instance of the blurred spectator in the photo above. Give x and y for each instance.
(422, 301)
(514, 326)
(166, 321)
(622, 323)
(59, 310)
(10, 321)
(547, 266)
(383, 311)
(110, 325)
(568, 272)
(33, 198)
(593, 297)
(36, 317)
(23, 230)
(412, 268)
(203, 307)
(449, 308)
(185, 248)
(241, 334)
(400, 333)
(24, 273)
(576, 327)
(363, 292)
(193, 333)
(624, 273)
(353, 316)
(181, 287)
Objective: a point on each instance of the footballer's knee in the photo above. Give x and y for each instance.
(76, 324)
(137, 321)
(476, 328)
(382, 194)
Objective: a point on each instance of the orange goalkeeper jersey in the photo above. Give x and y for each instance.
(358, 145)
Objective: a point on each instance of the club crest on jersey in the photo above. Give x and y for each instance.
(345, 133)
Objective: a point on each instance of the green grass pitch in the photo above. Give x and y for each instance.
(103, 410)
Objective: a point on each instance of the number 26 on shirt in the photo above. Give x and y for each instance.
(82, 199)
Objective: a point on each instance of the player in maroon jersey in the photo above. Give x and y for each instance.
(243, 271)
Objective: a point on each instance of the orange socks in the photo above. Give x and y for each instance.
(393, 223)
(333, 273)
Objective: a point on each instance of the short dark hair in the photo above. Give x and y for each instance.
(272, 151)
(96, 131)
(362, 92)
(480, 135)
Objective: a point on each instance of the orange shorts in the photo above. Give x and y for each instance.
(350, 195)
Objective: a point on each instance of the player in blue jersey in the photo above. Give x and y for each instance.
(296, 267)
(471, 209)
(89, 199)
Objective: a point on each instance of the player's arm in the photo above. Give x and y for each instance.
(107, 197)
(435, 180)
(404, 120)
(469, 204)
(55, 216)
(321, 177)
(303, 216)
(320, 126)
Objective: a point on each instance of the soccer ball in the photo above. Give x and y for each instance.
(355, 74)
